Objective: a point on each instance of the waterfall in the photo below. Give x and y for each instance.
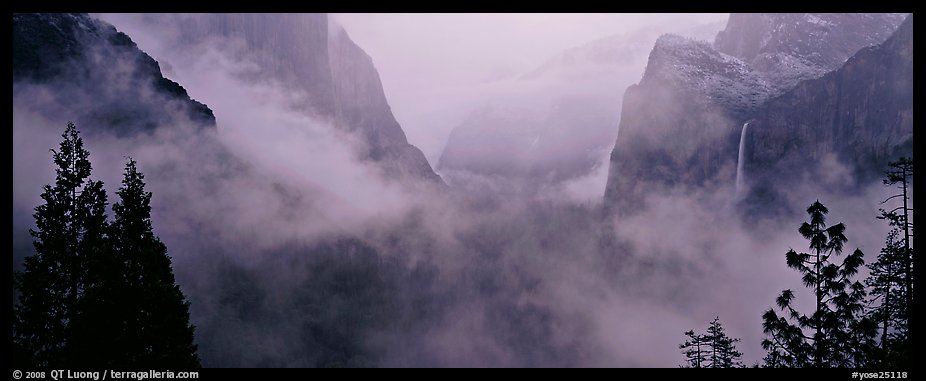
(739, 164)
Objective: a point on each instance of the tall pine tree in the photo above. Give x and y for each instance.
(891, 277)
(723, 347)
(154, 314)
(902, 172)
(69, 235)
(836, 334)
(889, 310)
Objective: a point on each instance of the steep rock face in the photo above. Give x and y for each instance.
(95, 76)
(333, 77)
(670, 150)
(690, 97)
(861, 113)
(361, 107)
(681, 124)
(290, 48)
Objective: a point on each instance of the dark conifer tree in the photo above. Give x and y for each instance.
(153, 313)
(723, 348)
(713, 349)
(695, 350)
(95, 294)
(836, 334)
(891, 277)
(69, 236)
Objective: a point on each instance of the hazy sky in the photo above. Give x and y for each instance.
(421, 49)
(430, 63)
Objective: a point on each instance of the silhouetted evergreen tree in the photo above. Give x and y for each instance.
(891, 277)
(888, 296)
(836, 334)
(152, 313)
(711, 350)
(96, 294)
(69, 235)
(723, 347)
(695, 350)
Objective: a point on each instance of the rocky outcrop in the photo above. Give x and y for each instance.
(678, 125)
(360, 106)
(682, 123)
(96, 76)
(698, 70)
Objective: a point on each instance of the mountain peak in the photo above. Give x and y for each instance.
(670, 39)
(793, 47)
(79, 56)
(695, 66)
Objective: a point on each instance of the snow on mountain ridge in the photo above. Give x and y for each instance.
(760, 56)
(697, 67)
